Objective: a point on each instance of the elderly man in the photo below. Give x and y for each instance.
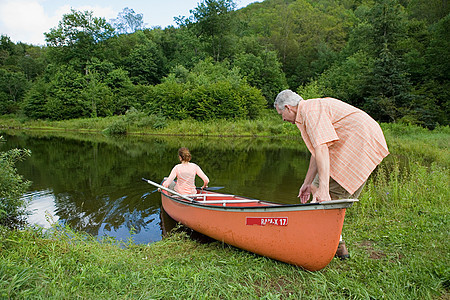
(346, 145)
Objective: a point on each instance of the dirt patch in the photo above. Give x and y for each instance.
(377, 255)
(369, 248)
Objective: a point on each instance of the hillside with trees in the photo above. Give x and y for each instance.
(390, 58)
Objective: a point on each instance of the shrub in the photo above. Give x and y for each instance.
(119, 126)
(209, 91)
(12, 186)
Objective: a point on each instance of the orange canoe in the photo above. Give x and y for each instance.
(306, 235)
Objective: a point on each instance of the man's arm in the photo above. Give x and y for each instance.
(305, 190)
(322, 157)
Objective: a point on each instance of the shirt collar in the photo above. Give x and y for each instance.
(298, 117)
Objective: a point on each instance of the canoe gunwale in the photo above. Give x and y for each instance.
(271, 206)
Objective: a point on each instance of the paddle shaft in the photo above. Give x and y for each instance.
(167, 189)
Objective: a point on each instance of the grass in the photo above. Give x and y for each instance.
(398, 237)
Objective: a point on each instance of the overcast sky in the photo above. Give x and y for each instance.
(27, 20)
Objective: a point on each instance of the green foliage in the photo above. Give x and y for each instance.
(213, 25)
(13, 86)
(387, 57)
(209, 91)
(167, 99)
(76, 37)
(134, 120)
(346, 80)
(63, 95)
(34, 103)
(12, 185)
(264, 72)
(311, 90)
(117, 127)
(139, 119)
(146, 64)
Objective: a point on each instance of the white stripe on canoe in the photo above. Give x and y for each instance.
(227, 201)
(210, 195)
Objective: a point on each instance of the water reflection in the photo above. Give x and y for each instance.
(42, 208)
(93, 182)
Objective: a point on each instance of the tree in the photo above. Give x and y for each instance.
(346, 80)
(76, 37)
(34, 103)
(63, 95)
(388, 84)
(6, 48)
(430, 10)
(301, 32)
(97, 95)
(124, 93)
(146, 63)
(213, 25)
(128, 21)
(264, 72)
(13, 86)
(180, 46)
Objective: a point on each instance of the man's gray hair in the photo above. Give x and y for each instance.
(286, 97)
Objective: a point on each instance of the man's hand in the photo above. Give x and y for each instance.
(304, 193)
(321, 195)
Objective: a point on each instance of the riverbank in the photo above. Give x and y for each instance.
(135, 122)
(398, 237)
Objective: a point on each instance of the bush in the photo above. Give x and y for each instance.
(134, 117)
(209, 91)
(119, 126)
(12, 186)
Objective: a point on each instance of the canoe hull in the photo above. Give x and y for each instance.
(303, 237)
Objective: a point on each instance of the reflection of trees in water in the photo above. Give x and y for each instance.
(90, 212)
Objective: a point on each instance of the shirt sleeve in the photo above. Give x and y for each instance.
(201, 174)
(172, 176)
(318, 126)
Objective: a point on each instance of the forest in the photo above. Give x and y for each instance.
(390, 58)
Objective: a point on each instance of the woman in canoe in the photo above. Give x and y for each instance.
(185, 173)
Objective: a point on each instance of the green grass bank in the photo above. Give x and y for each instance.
(398, 237)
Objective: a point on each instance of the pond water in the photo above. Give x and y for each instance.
(92, 182)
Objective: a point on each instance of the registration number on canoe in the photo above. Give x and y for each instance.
(267, 221)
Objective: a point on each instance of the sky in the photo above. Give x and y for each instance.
(27, 20)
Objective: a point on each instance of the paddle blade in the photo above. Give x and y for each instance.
(214, 188)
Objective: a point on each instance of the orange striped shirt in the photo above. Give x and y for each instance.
(355, 141)
(185, 174)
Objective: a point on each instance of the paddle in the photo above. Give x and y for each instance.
(214, 188)
(167, 189)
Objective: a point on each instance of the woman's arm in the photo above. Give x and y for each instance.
(203, 176)
(171, 177)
